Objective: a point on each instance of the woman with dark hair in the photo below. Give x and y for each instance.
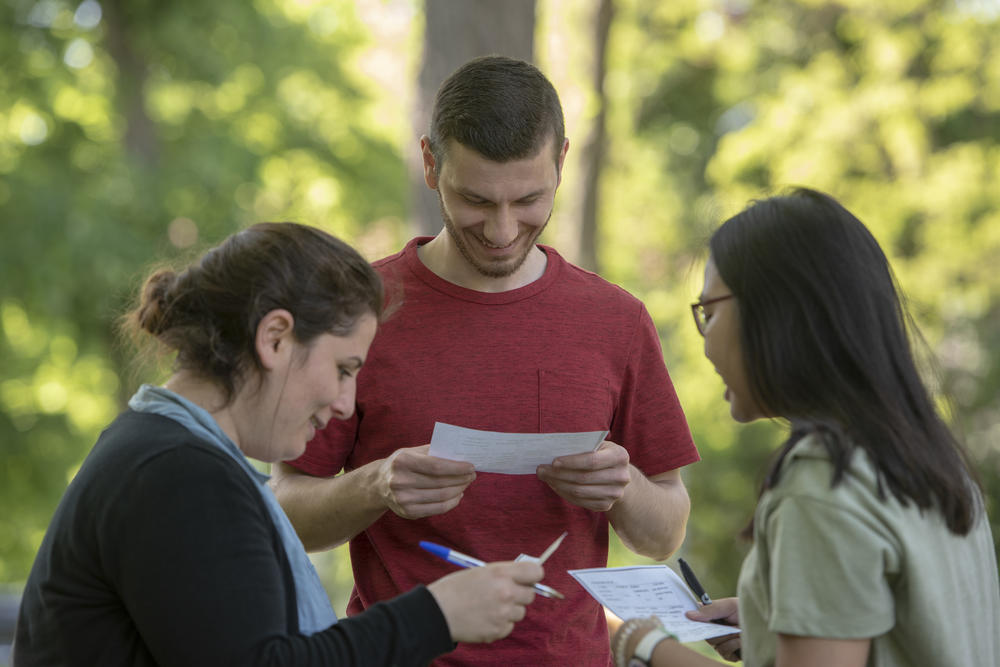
(871, 544)
(168, 547)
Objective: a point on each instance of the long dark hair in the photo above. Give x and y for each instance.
(825, 346)
(209, 312)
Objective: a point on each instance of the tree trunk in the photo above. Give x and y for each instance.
(595, 148)
(456, 31)
(140, 132)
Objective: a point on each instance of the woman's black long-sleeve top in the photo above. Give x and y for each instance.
(162, 552)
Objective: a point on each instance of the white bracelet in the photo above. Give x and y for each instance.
(649, 641)
(622, 639)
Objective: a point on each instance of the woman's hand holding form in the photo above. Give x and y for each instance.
(727, 612)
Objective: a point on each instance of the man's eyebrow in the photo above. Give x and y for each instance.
(537, 193)
(471, 194)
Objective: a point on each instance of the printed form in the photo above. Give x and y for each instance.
(642, 591)
(510, 453)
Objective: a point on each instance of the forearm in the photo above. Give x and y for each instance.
(328, 511)
(798, 650)
(407, 630)
(651, 518)
(630, 637)
(669, 652)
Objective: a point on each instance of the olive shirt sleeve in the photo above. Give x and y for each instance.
(830, 569)
(203, 574)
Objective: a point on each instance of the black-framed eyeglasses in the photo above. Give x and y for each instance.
(698, 310)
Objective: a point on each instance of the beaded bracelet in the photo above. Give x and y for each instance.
(623, 634)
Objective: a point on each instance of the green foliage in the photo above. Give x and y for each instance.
(893, 107)
(144, 130)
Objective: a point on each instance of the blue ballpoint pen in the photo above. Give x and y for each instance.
(462, 560)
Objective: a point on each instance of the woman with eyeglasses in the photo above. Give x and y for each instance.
(871, 545)
(168, 547)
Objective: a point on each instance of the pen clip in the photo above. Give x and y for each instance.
(693, 583)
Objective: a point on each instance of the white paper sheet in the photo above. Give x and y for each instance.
(642, 591)
(511, 453)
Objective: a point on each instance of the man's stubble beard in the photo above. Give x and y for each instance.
(493, 270)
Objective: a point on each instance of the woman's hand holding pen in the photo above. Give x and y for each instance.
(482, 604)
(725, 611)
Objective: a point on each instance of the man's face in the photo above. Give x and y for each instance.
(495, 211)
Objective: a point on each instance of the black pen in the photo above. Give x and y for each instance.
(699, 592)
(693, 583)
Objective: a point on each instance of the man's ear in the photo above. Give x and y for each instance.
(560, 161)
(274, 338)
(430, 165)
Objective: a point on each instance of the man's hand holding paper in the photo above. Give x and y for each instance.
(593, 480)
(582, 468)
(415, 484)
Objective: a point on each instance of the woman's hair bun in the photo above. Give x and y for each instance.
(152, 313)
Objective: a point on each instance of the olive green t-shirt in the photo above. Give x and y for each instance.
(843, 563)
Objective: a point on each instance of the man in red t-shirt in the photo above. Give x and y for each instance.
(492, 331)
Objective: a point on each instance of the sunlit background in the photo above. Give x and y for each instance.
(140, 132)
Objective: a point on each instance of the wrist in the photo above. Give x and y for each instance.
(372, 487)
(642, 654)
(635, 640)
(620, 506)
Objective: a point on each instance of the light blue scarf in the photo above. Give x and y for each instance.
(315, 612)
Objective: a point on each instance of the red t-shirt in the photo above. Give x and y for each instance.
(568, 352)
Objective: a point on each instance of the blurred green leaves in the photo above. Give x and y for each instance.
(140, 131)
(892, 107)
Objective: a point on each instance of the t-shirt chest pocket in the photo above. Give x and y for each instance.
(571, 402)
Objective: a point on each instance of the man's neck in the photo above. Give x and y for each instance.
(447, 262)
